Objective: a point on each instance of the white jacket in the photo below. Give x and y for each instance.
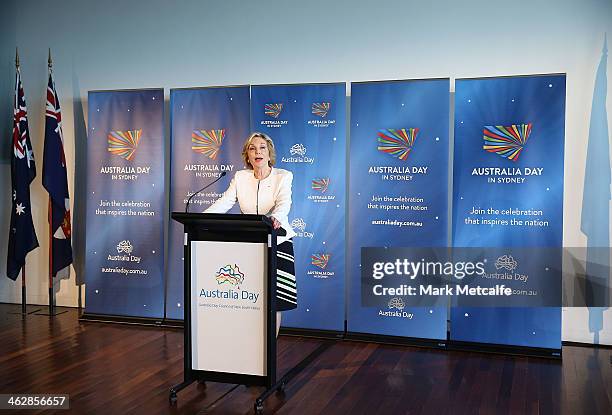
(270, 196)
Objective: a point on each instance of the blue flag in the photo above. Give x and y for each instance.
(597, 177)
(595, 221)
(22, 236)
(56, 182)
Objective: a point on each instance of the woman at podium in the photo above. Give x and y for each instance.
(262, 189)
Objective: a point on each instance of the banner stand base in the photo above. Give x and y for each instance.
(314, 333)
(396, 340)
(591, 345)
(171, 322)
(105, 318)
(525, 351)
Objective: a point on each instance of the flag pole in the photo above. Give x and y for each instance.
(52, 311)
(50, 217)
(23, 291)
(23, 273)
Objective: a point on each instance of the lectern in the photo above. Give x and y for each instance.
(230, 300)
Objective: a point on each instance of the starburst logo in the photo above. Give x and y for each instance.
(396, 302)
(125, 246)
(297, 149)
(230, 275)
(507, 142)
(506, 262)
(321, 108)
(207, 142)
(299, 224)
(397, 143)
(273, 110)
(320, 260)
(321, 184)
(124, 143)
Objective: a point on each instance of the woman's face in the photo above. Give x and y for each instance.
(258, 153)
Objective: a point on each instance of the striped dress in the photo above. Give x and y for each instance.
(286, 287)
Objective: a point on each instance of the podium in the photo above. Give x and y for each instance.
(229, 300)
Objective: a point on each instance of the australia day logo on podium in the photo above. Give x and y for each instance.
(229, 286)
(123, 145)
(272, 114)
(321, 110)
(321, 192)
(207, 143)
(298, 153)
(320, 263)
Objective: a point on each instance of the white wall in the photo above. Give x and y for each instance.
(158, 43)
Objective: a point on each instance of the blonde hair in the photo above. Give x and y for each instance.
(269, 143)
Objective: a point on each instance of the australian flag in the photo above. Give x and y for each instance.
(56, 182)
(22, 236)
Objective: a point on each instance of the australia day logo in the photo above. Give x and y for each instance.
(229, 280)
(125, 246)
(124, 253)
(320, 110)
(506, 262)
(207, 142)
(396, 302)
(272, 112)
(320, 261)
(124, 143)
(299, 226)
(396, 309)
(507, 142)
(505, 269)
(230, 275)
(320, 187)
(397, 143)
(298, 154)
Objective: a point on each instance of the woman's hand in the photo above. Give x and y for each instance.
(275, 223)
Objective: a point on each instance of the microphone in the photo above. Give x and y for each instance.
(204, 188)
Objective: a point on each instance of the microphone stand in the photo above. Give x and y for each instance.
(202, 189)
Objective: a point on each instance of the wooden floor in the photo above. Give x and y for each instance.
(121, 369)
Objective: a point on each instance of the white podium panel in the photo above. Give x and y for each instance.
(228, 304)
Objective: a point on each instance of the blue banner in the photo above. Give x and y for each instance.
(308, 126)
(508, 192)
(125, 203)
(208, 128)
(398, 192)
